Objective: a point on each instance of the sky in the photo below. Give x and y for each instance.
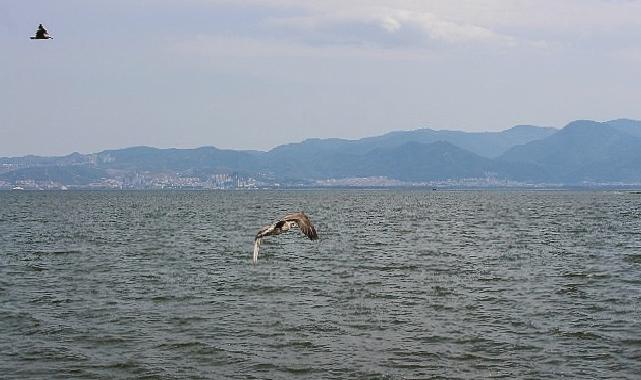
(256, 74)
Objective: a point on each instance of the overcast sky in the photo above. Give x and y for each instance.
(254, 74)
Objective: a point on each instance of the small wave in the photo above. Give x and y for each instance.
(631, 342)
(580, 335)
(635, 258)
(585, 274)
(195, 346)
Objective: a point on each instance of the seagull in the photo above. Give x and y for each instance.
(41, 34)
(284, 224)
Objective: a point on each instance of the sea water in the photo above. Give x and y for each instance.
(401, 285)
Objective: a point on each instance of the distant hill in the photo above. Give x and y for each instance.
(582, 152)
(72, 175)
(153, 159)
(411, 161)
(417, 162)
(32, 161)
(486, 144)
(632, 127)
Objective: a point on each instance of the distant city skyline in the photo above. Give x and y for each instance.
(257, 74)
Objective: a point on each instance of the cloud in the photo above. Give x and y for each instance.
(214, 48)
(384, 26)
(423, 23)
(391, 24)
(445, 30)
(410, 29)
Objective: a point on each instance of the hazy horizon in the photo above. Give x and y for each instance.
(259, 74)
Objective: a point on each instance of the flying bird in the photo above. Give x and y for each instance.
(41, 34)
(284, 224)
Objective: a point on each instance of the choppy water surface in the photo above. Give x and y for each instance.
(402, 284)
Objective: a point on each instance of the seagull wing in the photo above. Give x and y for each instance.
(304, 224)
(265, 231)
(256, 249)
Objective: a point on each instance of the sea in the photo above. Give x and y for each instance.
(402, 284)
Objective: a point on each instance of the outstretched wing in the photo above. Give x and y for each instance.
(256, 249)
(304, 224)
(265, 231)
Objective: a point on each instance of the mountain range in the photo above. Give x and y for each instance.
(583, 152)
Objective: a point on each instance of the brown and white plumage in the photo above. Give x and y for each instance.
(284, 224)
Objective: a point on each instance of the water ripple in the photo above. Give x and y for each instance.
(401, 285)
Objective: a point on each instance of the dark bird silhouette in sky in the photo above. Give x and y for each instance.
(284, 224)
(41, 34)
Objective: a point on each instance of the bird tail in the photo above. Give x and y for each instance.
(256, 249)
